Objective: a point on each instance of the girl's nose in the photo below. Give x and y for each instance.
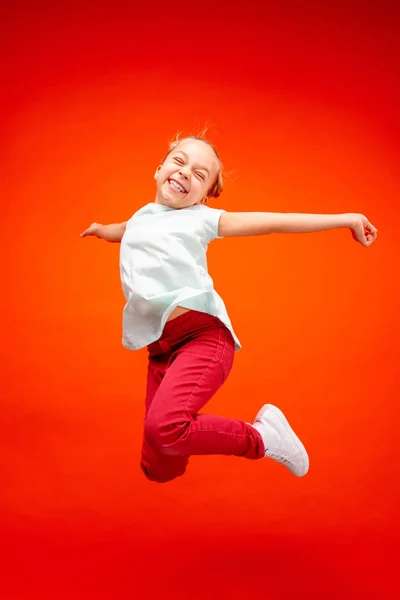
(184, 171)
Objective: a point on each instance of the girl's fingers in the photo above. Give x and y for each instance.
(88, 231)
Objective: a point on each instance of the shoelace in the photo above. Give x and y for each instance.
(281, 457)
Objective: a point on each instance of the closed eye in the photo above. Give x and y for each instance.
(198, 174)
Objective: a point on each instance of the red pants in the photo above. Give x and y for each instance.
(187, 365)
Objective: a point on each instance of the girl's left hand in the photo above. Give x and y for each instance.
(362, 230)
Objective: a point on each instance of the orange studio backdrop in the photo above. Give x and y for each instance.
(301, 99)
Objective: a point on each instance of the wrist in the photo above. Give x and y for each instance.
(350, 219)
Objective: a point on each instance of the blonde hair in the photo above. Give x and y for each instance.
(218, 184)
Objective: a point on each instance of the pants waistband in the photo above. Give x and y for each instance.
(178, 328)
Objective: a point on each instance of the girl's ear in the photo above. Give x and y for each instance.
(157, 172)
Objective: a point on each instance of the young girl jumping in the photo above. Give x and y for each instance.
(174, 310)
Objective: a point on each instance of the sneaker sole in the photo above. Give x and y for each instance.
(281, 416)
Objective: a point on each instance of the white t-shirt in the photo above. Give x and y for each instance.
(163, 265)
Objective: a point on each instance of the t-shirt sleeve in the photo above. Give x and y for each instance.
(211, 217)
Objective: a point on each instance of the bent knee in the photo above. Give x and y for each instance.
(161, 437)
(159, 476)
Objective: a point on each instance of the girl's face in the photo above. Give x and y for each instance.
(186, 175)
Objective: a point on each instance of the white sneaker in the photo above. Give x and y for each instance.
(280, 441)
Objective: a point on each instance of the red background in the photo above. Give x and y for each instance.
(302, 103)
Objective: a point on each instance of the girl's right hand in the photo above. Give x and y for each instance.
(92, 230)
(362, 230)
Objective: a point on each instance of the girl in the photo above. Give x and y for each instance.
(174, 310)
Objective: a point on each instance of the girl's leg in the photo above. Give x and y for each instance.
(156, 466)
(173, 428)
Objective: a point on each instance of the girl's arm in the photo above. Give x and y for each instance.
(110, 233)
(262, 223)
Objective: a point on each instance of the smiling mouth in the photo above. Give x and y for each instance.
(176, 187)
